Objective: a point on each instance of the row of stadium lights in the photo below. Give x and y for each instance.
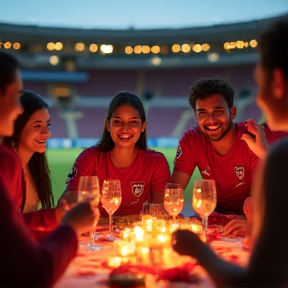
(138, 49)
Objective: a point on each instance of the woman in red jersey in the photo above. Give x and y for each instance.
(122, 154)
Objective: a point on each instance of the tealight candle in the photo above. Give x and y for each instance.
(139, 233)
(125, 248)
(114, 261)
(196, 228)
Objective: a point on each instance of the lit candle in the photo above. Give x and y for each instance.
(125, 248)
(196, 228)
(139, 233)
(114, 261)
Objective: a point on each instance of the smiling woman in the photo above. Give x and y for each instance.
(29, 141)
(122, 154)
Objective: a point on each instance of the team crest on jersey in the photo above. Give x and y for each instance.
(206, 171)
(179, 151)
(71, 175)
(137, 188)
(240, 171)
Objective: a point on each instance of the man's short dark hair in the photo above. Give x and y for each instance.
(273, 47)
(204, 87)
(8, 67)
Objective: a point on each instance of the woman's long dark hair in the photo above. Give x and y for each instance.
(123, 98)
(38, 164)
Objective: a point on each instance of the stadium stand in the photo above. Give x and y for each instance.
(91, 124)
(78, 83)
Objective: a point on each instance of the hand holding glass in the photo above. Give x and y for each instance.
(111, 198)
(173, 199)
(88, 190)
(204, 201)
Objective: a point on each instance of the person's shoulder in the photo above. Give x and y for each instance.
(271, 133)
(152, 153)
(8, 153)
(92, 151)
(10, 160)
(241, 127)
(192, 133)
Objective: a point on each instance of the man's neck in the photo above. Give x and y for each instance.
(223, 146)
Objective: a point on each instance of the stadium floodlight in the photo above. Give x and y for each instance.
(156, 60)
(54, 60)
(213, 57)
(106, 49)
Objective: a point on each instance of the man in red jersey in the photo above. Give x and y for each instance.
(216, 146)
(23, 261)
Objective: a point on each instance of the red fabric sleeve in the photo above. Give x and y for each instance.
(161, 174)
(81, 167)
(24, 262)
(42, 220)
(273, 136)
(11, 174)
(185, 159)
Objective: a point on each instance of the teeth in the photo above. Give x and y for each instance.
(125, 136)
(212, 128)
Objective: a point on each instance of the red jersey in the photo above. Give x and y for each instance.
(146, 175)
(233, 172)
(25, 262)
(38, 220)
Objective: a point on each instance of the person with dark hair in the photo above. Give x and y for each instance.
(268, 264)
(122, 154)
(216, 146)
(25, 262)
(29, 142)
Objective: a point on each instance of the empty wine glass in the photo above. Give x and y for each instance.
(111, 198)
(173, 199)
(88, 190)
(204, 201)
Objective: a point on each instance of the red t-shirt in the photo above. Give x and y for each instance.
(43, 220)
(23, 261)
(146, 175)
(233, 172)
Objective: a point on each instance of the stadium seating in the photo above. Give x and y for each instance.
(91, 124)
(154, 86)
(58, 124)
(107, 83)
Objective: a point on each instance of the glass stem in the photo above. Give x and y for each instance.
(204, 227)
(92, 239)
(110, 223)
(174, 219)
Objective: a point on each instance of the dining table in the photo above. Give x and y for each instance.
(112, 264)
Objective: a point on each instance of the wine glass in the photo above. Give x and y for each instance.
(204, 201)
(111, 198)
(173, 199)
(88, 190)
